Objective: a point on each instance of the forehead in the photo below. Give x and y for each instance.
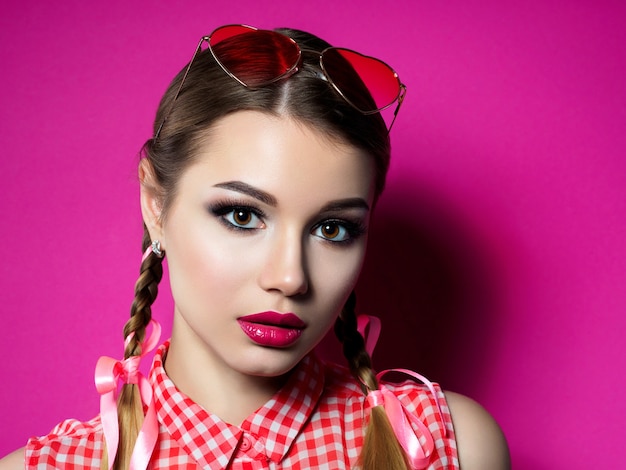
(283, 156)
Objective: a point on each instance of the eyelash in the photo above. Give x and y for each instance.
(222, 209)
(354, 230)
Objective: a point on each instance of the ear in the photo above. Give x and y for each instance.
(151, 202)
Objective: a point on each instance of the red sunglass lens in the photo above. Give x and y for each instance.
(255, 57)
(381, 81)
(228, 31)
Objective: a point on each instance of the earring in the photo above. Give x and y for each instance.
(155, 248)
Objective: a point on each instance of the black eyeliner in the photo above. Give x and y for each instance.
(355, 230)
(225, 206)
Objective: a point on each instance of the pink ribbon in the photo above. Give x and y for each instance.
(369, 328)
(406, 426)
(418, 454)
(109, 373)
(146, 253)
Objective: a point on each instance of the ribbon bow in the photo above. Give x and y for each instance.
(406, 426)
(109, 373)
(369, 328)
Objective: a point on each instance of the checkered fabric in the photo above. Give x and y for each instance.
(315, 421)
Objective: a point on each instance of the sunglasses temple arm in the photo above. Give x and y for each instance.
(397, 110)
(180, 87)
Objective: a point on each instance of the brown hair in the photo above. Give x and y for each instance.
(207, 95)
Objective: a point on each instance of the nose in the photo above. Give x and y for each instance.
(285, 269)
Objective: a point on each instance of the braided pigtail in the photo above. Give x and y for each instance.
(129, 406)
(380, 447)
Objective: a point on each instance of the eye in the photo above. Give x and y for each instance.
(338, 231)
(238, 217)
(332, 231)
(243, 218)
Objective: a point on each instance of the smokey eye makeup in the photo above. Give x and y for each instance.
(238, 216)
(245, 218)
(339, 231)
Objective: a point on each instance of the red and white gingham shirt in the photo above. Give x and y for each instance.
(315, 421)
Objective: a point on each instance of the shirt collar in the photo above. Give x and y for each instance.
(208, 439)
(282, 418)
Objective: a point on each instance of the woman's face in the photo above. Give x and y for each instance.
(265, 239)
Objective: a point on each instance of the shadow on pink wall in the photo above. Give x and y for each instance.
(432, 284)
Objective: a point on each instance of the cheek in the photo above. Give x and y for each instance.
(336, 276)
(205, 266)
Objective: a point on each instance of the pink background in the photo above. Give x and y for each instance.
(498, 256)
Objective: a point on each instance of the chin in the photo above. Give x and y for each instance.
(272, 362)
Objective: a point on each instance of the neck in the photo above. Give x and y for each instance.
(227, 393)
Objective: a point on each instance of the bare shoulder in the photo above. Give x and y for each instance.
(13, 461)
(480, 441)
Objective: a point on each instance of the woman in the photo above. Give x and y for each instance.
(268, 156)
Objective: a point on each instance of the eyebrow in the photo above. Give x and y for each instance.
(266, 198)
(251, 191)
(343, 204)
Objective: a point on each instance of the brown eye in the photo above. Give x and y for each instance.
(242, 217)
(330, 231)
(338, 231)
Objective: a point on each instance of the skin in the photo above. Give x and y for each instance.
(480, 442)
(282, 261)
(285, 262)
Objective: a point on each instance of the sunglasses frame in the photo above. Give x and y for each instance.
(399, 98)
(292, 70)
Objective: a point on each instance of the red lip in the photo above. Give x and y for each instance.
(288, 320)
(272, 329)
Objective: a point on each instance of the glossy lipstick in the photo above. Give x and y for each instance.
(272, 329)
